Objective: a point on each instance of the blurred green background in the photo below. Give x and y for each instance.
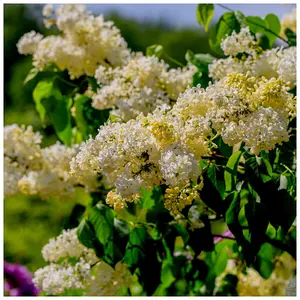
(29, 222)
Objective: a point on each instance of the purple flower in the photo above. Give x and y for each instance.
(18, 281)
(225, 234)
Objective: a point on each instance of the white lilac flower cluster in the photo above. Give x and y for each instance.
(86, 272)
(252, 284)
(242, 42)
(130, 82)
(277, 62)
(85, 42)
(164, 147)
(140, 86)
(30, 169)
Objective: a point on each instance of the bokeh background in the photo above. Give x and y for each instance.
(28, 221)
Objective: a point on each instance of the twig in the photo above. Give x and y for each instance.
(266, 29)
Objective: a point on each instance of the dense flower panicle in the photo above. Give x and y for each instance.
(107, 281)
(176, 198)
(29, 42)
(67, 245)
(85, 42)
(85, 273)
(163, 147)
(178, 166)
(222, 67)
(23, 145)
(140, 86)
(30, 169)
(276, 62)
(250, 283)
(242, 42)
(289, 21)
(264, 129)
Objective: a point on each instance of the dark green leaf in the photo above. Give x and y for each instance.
(73, 220)
(257, 217)
(87, 237)
(102, 219)
(135, 249)
(211, 196)
(227, 23)
(58, 109)
(230, 174)
(291, 36)
(201, 79)
(81, 122)
(182, 232)
(204, 14)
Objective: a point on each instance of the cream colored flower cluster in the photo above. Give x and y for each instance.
(30, 169)
(87, 272)
(242, 42)
(277, 62)
(141, 153)
(140, 86)
(164, 147)
(243, 108)
(85, 42)
(252, 284)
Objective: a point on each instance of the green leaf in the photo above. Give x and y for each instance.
(204, 14)
(241, 18)
(264, 263)
(58, 110)
(48, 99)
(224, 250)
(230, 174)
(211, 174)
(147, 201)
(272, 23)
(87, 237)
(166, 276)
(199, 58)
(102, 219)
(182, 232)
(291, 36)
(155, 50)
(202, 79)
(211, 196)
(227, 23)
(257, 217)
(31, 75)
(256, 24)
(81, 122)
(135, 247)
(43, 90)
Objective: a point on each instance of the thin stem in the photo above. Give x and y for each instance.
(225, 7)
(224, 237)
(266, 29)
(67, 82)
(173, 60)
